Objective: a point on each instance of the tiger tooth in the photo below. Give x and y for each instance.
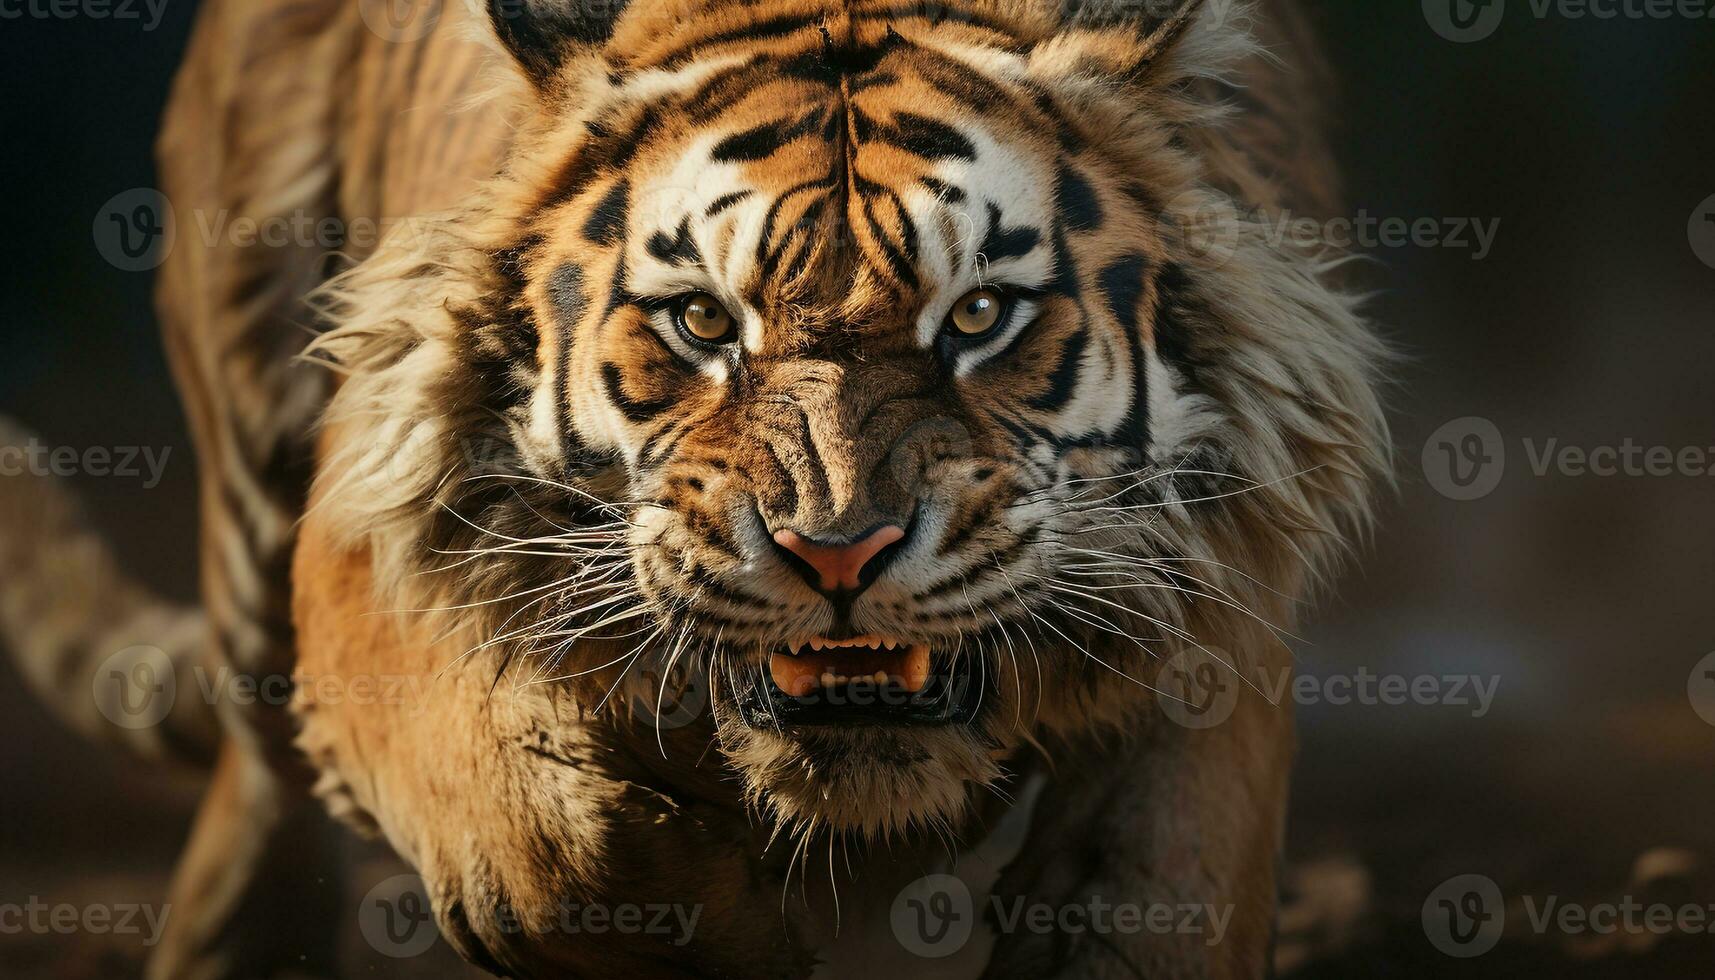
(827, 679)
(880, 677)
(915, 672)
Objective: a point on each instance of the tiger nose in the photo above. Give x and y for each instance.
(838, 567)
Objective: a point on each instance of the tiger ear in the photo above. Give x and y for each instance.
(1173, 27)
(540, 33)
(1126, 40)
(1159, 25)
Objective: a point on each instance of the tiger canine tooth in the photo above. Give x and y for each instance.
(794, 677)
(914, 671)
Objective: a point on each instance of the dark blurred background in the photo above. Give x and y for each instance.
(1586, 598)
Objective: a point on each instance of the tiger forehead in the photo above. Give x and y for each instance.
(674, 35)
(865, 186)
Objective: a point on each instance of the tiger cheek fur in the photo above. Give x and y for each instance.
(1155, 440)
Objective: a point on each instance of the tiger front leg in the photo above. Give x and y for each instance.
(1157, 861)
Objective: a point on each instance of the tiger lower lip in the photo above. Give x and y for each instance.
(820, 663)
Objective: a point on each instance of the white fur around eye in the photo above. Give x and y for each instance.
(1021, 315)
(709, 362)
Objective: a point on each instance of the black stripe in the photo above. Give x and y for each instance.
(1175, 300)
(1000, 242)
(761, 142)
(928, 138)
(1064, 378)
(723, 202)
(605, 151)
(681, 249)
(762, 30)
(765, 243)
(1122, 284)
(751, 144)
(1026, 435)
(606, 222)
(818, 469)
(660, 445)
(724, 89)
(1043, 99)
(963, 84)
(945, 191)
(894, 252)
(1080, 209)
(636, 412)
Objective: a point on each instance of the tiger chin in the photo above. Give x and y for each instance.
(799, 437)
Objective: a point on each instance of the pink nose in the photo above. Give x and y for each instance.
(837, 566)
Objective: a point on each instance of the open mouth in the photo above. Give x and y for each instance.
(875, 680)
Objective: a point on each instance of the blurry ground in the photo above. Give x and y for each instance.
(1587, 597)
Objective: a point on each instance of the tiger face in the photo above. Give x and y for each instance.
(861, 361)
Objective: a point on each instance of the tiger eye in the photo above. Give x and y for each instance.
(706, 319)
(977, 312)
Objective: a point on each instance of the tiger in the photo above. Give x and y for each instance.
(794, 450)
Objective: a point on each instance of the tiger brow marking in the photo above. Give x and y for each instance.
(1001, 242)
(607, 220)
(725, 201)
(943, 190)
(1080, 208)
(681, 249)
(926, 138)
(762, 142)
